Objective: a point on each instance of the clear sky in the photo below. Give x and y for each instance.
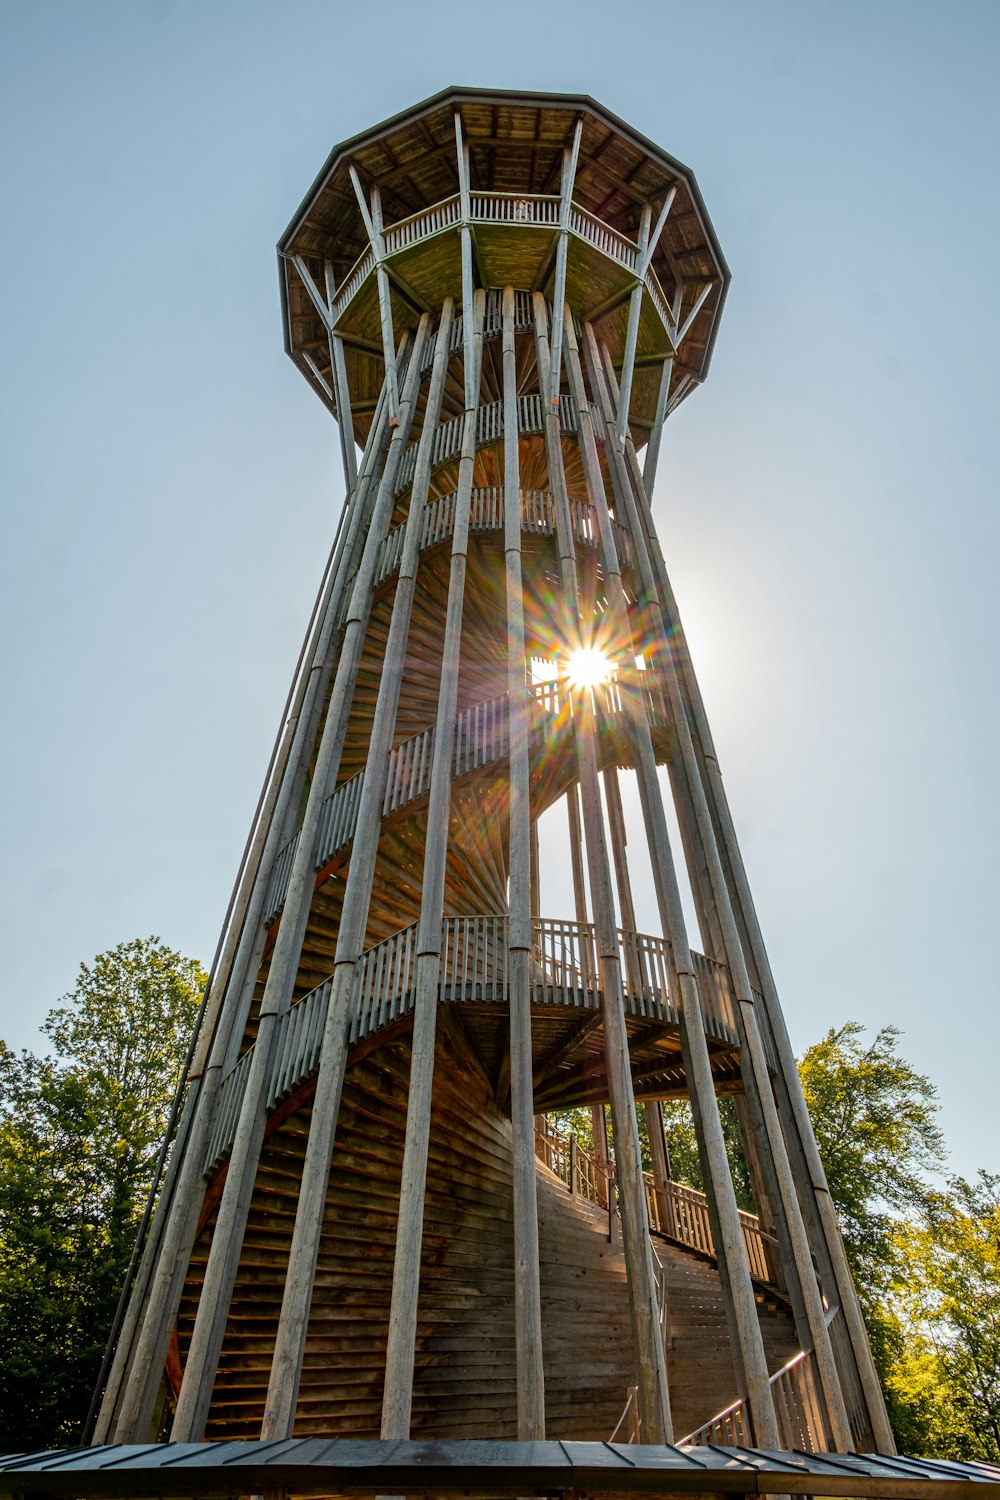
(827, 501)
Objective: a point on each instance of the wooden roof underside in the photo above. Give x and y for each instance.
(516, 144)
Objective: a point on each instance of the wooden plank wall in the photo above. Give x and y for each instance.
(464, 1384)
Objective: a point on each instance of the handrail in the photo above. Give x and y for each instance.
(486, 513)
(473, 971)
(516, 208)
(681, 1212)
(797, 1404)
(422, 225)
(480, 739)
(526, 210)
(675, 1210)
(630, 1411)
(614, 245)
(447, 440)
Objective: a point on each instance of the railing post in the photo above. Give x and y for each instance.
(574, 1165)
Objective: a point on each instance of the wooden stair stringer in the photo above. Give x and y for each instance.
(702, 1376)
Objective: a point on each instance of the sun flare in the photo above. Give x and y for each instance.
(588, 667)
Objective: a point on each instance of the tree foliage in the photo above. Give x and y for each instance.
(947, 1302)
(875, 1121)
(79, 1135)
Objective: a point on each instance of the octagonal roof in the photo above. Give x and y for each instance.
(516, 142)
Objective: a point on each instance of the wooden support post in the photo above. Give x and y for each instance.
(570, 159)
(626, 906)
(398, 1392)
(342, 392)
(810, 1177)
(656, 432)
(599, 1130)
(576, 851)
(137, 1373)
(752, 1059)
(372, 216)
(658, 1159)
(527, 1289)
(654, 1394)
(470, 375)
(286, 1366)
(632, 328)
(326, 307)
(579, 878)
(734, 1271)
(213, 1308)
(536, 898)
(699, 303)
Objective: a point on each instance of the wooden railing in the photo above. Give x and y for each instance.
(797, 1405)
(447, 442)
(516, 208)
(728, 1428)
(524, 322)
(473, 971)
(584, 1176)
(530, 210)
(481, 738)
(629, 1419)
(422, 225)
(661, 1283)
(677, 1211)
(612, 244)
(356, 278)
(486, 513)
(682, 1213)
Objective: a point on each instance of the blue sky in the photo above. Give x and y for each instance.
(827, 502)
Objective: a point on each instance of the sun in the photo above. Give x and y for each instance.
(588, 667)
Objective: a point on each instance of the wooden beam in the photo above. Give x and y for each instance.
(286, 1366)
(134, 1384)
(338, 366)
(527, 1283)
(570, 159)
(656, 433)
(372, 217)
(654, 1395)
(213, 1307)
(399, 1365)
(808, 1173)
(632, 330)
(741, 1311)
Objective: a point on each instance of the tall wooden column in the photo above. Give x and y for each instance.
(286, 1365)
(808, 1173)
(653, 1385)
(213, 1308)
(520, 940)
(134, 1385)
(398, 1395)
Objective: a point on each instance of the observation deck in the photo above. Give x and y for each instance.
(335, 251)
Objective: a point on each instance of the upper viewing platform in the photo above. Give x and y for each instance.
(376, 241)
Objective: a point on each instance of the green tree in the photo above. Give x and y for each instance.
(875, 1119)
(79, 1136)
(948, 1307)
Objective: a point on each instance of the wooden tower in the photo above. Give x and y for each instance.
(369, 1224)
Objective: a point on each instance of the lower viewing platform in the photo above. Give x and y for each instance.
(566, 1004)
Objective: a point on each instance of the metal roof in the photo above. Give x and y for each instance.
(321, 1466)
